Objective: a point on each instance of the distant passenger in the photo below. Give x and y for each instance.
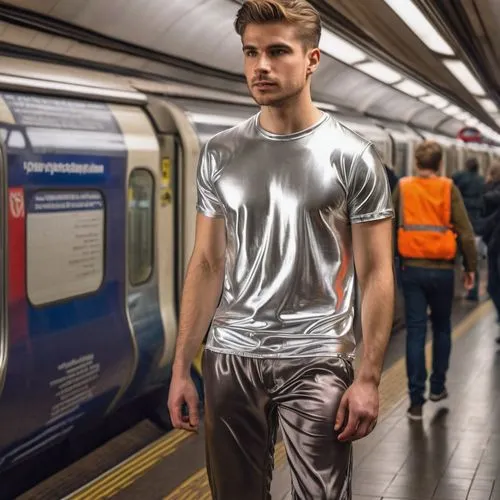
(491, 234)
(294, 209)
(391, 177)
(471, 186)
(430, 215)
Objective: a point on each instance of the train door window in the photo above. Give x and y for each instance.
(401, 158)
(452, 158)
(16, 140)
(140, 226)
(64, 243)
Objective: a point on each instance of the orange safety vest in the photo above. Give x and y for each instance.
(425, 230)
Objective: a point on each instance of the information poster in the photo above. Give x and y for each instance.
(65, 244)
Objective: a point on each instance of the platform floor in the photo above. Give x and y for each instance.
(453, 454)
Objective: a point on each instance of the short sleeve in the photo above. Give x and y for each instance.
(369, 194)
(208, 202)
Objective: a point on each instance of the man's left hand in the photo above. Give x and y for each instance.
(360, 404)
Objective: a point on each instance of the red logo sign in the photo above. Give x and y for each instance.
(16, 203)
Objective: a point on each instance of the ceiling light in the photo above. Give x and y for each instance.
(472, 122)
(452, 110)
(419, 24)
(411, 88)
(464, 75)
(462, 116)
(379, 71)
(435, 100)
(488, 105)
(339, 48)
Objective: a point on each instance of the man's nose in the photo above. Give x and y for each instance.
(263, 64)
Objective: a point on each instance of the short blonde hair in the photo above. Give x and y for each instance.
(494, 171)
(299, 13)
(429, 155)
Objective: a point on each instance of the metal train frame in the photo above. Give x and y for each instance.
(97, 210)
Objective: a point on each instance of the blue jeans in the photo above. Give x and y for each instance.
(494, 280)
(424, 288)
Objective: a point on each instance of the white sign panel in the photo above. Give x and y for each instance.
(65, 244)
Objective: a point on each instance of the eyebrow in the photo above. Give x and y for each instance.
(273, 46)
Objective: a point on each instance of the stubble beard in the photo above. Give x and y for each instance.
(277, 99)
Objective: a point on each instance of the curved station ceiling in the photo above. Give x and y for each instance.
(393, 59)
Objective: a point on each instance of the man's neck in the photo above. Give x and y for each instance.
(427, 174)
(289, 117)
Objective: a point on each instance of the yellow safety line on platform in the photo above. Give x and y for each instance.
(393, 389)
(128, 471)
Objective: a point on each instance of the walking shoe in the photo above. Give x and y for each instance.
(438, 397)
(414, 412)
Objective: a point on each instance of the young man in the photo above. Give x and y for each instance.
(430, 216)
(289, 202)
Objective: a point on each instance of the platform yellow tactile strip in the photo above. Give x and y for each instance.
(124, 474)
(393, 388)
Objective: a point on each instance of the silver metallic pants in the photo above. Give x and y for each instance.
(245, 398)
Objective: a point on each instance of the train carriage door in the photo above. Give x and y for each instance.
(150, 247)
(3, 264)
(170, 227)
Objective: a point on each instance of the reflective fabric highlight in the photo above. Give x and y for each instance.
(288, 202)
(246, 397)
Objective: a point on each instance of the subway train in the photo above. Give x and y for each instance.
(97, 193)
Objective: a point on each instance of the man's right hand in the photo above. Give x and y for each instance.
(182, 390)
(469, 279)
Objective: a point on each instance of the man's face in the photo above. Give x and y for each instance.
(276, 64)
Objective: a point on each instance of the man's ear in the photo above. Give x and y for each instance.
(314, 58)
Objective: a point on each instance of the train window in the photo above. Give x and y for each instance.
(401, 158)
(452, 159)
(16, 140)
(140, 226)
(64, 244)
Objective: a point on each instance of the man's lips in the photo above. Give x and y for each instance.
(264, 84)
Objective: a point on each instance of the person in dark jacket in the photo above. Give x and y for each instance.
(490, 232)
(471, 187)
(391, 177)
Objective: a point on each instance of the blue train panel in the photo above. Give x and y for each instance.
(70, 349)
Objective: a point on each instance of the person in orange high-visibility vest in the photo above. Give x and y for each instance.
(430, 218)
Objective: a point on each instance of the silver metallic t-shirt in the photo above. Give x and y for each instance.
(288, 202)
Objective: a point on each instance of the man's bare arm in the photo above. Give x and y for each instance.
(373, 256)
(202, 288)
(201, 293)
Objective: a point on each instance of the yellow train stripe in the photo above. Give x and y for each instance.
(197, 362)
(132, 467)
